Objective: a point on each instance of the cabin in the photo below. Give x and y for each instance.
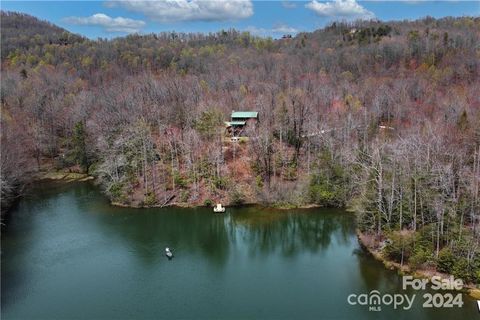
(239, 121)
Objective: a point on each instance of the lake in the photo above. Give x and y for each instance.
(68, 254)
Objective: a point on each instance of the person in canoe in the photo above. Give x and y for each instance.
(168, 253)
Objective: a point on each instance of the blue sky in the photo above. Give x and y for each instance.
(109, 19)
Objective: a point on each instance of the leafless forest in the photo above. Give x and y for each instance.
(381, 117)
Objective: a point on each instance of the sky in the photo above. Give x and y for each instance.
(108, 19)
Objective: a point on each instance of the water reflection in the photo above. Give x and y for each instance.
(289, 232)
(145, 233)
(198, 231)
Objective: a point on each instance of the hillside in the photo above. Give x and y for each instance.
(382, 117)
(23, 32)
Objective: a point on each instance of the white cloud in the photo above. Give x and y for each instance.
(189, 10)
(283, 28)
(110, 24)
(346, 9)
(275, 31)
(256, 30)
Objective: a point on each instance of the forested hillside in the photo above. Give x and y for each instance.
(22, 32)
(382, 117)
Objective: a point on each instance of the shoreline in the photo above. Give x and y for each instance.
(60, 176)
(192, 206)
(68, 177)
(468, 288)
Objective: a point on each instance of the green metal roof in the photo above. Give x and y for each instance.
(235, 123)
(244, 114)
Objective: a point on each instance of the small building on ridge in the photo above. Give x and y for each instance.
(239, 121)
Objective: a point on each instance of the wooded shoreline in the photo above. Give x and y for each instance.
(69, 177)
(472, 289)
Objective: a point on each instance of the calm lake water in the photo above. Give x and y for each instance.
(67, 254)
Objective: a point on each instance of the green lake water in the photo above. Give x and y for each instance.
(68, 254)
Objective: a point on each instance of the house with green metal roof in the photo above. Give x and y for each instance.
(239, 120)
(244, 115)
